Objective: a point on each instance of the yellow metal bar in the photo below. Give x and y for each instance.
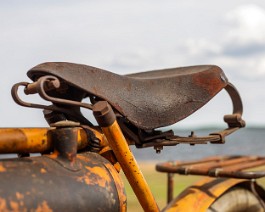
(24, 140)
(36, 140)
(130, 167)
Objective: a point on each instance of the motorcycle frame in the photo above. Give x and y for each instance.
(38, 140)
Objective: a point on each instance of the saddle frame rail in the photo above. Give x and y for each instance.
(155, 140)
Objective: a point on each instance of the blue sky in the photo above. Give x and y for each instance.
(126, 37)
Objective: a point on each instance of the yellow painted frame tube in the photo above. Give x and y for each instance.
(107, 120)
(199, 196)
(36, 140)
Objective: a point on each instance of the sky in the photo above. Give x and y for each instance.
(132, 36)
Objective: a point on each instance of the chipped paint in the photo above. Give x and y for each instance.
(2, 168)
(19, 196)
(43, 171)
(37, 140)
(130, 167)
(38, 176)
(199, 196)
(43, 207)
(103, 174)
(14, 206)
(3, 204)
(120, 187)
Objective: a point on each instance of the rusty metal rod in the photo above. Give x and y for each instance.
(246, 165)
(224, 167)
(170, 187)
(171, 165)
(237, 174)
(204, 167)
(223, 163)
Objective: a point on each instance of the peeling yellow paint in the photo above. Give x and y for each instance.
(130, 167)
(2, 168)
(102, 173)
(43, 207)
(14, 206)
(19, 196)
(21, 203)
(85, 179)
(3, 204)
(43, 171)
(95, 176)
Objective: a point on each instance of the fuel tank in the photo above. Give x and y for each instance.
(45, 183)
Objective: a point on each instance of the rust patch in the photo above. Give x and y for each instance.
(209, 81)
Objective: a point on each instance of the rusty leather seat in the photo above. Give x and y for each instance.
(149, 99)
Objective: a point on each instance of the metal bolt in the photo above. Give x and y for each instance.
(158, 149)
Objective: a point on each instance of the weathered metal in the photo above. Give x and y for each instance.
(69, 105)
(199, 196)
(138, 103)
(148, 100)
(217, 167)
(46, 83)
(170, 186)
(62, 181)
(33, 140)
(125, 157)
(29, 184)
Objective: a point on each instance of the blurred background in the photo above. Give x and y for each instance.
(132, 36)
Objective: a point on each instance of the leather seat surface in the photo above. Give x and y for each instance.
(149, 99)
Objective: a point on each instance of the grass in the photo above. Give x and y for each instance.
(157, 182)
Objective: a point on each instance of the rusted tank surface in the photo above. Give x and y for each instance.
(46, 183)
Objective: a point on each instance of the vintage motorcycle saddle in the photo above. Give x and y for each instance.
(148, 100)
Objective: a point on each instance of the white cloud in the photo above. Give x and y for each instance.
(248, 24)
(239, 48)
(124, 37)
(197, 47)
(244, 43)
